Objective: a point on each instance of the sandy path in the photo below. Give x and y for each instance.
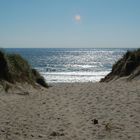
(66, 112)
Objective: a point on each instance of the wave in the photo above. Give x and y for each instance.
(69, 77)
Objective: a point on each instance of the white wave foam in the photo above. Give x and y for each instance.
(69, 77)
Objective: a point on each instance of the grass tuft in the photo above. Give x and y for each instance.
(13, 68)
(125, 66)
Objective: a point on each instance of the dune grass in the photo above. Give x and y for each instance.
(128, 65)
(14, 68)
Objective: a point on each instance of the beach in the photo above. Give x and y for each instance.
(70, 70)
(68, 112)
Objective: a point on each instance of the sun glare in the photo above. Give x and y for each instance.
(77, 18)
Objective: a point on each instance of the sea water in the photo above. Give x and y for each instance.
(64, 65)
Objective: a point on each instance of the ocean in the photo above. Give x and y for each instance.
(66, 65)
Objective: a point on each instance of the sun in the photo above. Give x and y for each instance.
(77, 18)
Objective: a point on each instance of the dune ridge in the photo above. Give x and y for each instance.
(14, 68)
(128, 66)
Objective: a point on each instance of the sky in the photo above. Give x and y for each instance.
(70, 23)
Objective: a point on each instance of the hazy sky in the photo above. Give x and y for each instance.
(69, 23)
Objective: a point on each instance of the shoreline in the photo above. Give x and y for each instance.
(67, 83)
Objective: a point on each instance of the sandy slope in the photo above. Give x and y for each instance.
(67, 111)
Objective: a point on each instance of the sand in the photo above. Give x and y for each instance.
(67, 112)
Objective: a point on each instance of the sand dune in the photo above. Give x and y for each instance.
(67, 112)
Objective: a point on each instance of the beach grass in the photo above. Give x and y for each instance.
(14, 68)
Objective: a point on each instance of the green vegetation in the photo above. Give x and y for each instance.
(128, 65)
(13, 68)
